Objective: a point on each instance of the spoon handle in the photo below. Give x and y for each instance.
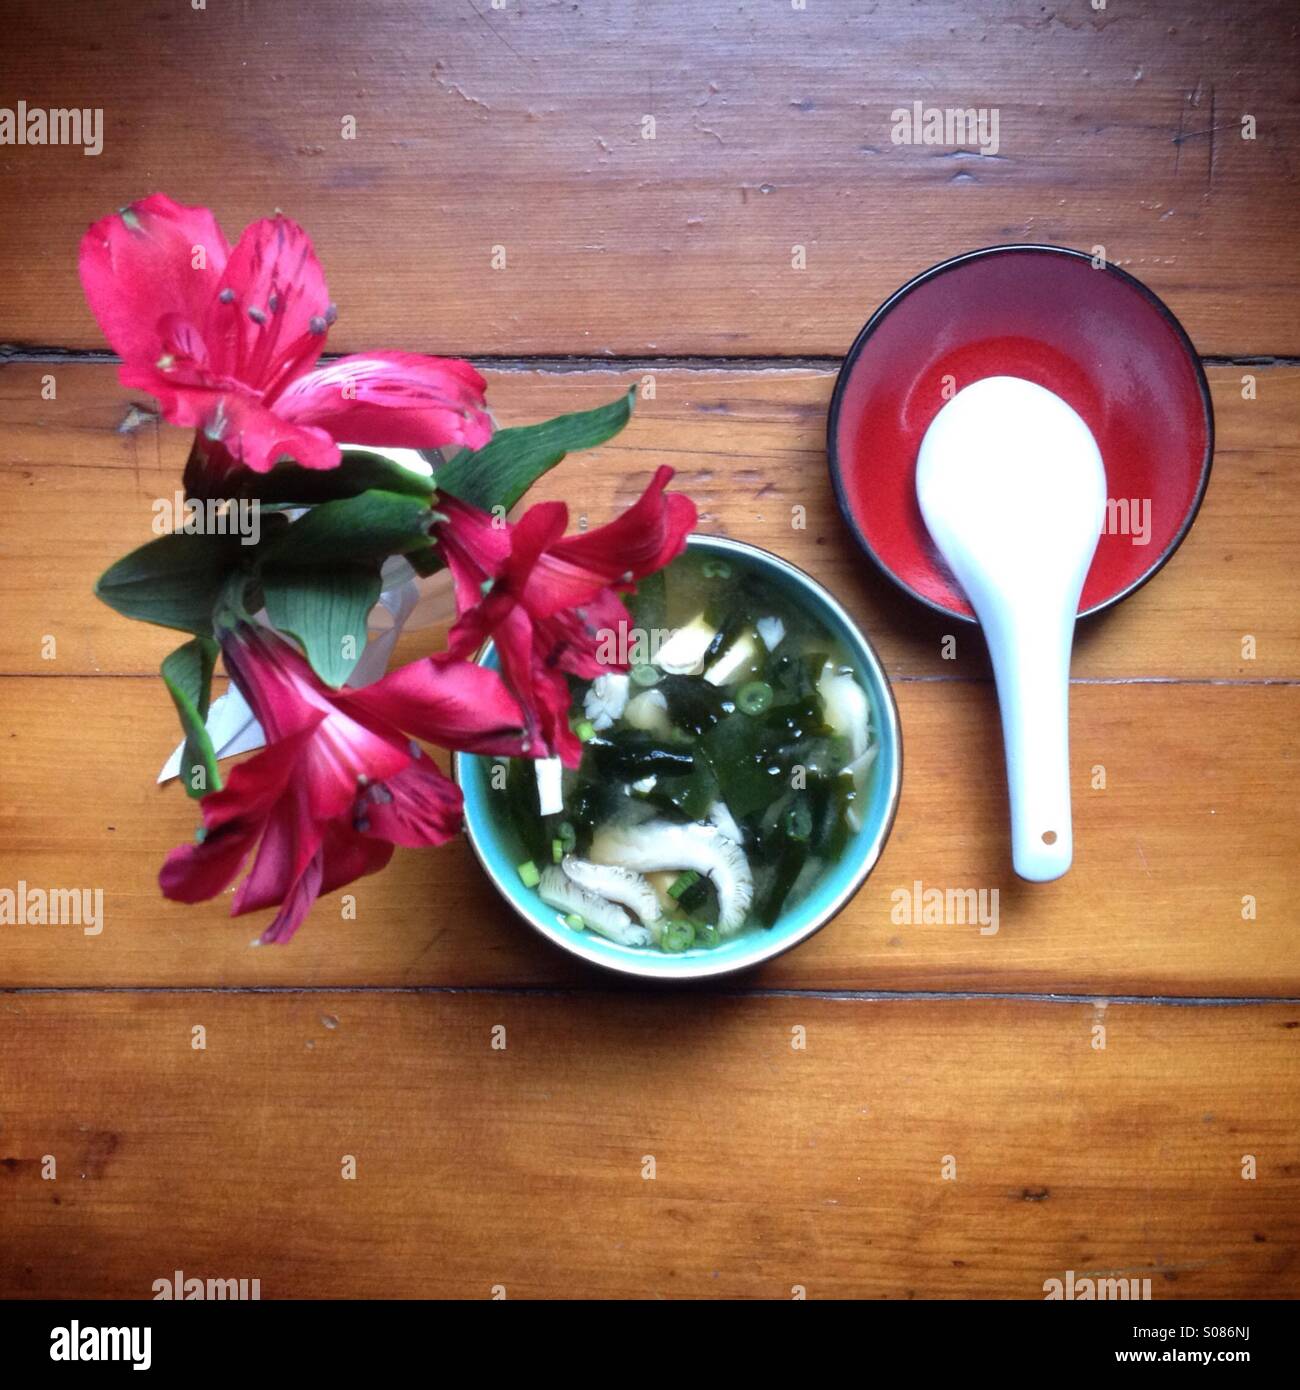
(1030, 651)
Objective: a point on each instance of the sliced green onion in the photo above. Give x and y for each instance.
(716, 569)
(706, 935)
(682, 882)
(644, 675)
(754, 697)
(586, 731)
(528, 873)
(574, 921)
(677, 937)
(557, 850)
(568, 836)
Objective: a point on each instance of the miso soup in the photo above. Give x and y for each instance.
(722, 772)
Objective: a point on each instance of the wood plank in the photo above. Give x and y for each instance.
(1197, 812)
(748, 445)
(521, 127)
(522, 1167)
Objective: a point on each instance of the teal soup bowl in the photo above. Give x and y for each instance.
(492, 810)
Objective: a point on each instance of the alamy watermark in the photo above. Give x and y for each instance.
(1128, 516)
(631, 646)
(192, 1289)
(1085, 1288)
(36, 125)
(213, 516)
(53, 907)
(956, 126)
(919, 906)
(76, 1343)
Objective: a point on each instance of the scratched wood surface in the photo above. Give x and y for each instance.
(775, 1166)
(521, 128)
(907, 1148)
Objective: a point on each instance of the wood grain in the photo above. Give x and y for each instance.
(1198, 811)
(748, 445)
(521, 128)
(522, 1167)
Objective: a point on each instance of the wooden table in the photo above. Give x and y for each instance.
(954, 1125)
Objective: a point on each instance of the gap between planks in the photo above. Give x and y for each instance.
(845, 996)
(17, 353)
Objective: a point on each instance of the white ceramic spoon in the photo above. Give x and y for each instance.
(1012, 488)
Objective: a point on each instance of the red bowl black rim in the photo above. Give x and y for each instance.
(850, 361)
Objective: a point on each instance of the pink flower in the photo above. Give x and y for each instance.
(341, 780)
(228, 342)
(551, 601)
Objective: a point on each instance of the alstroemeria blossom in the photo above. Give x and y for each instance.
(551, 601)
(228, 342)
(341, 780)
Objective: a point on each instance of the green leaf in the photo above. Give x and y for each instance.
(352, 529)
(325, 608)
(187, 673)
(174, 580)
(359, 472)
(426, 562)
(509, 464)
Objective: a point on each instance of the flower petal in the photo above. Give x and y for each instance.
(542, 690)
(138, 265)
(475, 545)
(281, 689)
(392, 398)
(540, 526)
(420, 806)
(233, 819)
(645, 538)
(341, 856)
(350, 856)
(442, 700)
(297, 903)
(476, 624)
(194, 873)
(589, 640)
(268, 322)
(289, 840)
(344, 752)
(252, 435)
(286, 696)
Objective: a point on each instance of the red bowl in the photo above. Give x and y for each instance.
(1098, 338)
